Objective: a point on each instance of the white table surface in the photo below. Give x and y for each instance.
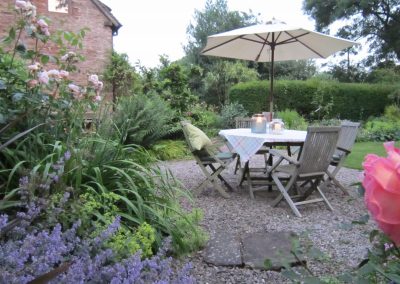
(246, 143)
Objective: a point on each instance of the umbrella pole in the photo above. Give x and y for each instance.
(271, 76)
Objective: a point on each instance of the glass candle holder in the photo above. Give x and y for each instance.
(258, 123)
(277, 126)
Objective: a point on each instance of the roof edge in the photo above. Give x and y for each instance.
(115, 24)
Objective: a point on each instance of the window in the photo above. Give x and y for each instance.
(59, 6)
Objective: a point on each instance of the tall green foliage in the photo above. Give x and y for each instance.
(335, 100)
(140, 119)
(121, 76)
(215, 18)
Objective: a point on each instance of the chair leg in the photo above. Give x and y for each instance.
(221, 178)
(237, 164)
(285, 195)
(324, 198)
(213, 179)
(331, 177)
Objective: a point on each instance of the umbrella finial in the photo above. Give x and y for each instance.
(275, 21)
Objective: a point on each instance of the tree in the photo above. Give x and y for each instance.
(215, 18)
(376, 20)
(122, 76)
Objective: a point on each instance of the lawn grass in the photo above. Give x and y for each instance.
(360, 149)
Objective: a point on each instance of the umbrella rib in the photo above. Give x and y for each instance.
(316, 52)
(292, 39)
(221, 44)
(262, 47)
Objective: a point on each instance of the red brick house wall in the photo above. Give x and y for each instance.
(92, 14)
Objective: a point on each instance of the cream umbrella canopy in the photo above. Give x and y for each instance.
(273, 41)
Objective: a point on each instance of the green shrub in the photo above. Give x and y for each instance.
(204, 117)
(165, 150)
(140, 120)
(380, 129)
(229, 112)
(292, 119)
(309, 98)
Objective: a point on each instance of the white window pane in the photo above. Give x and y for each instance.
(60, 6)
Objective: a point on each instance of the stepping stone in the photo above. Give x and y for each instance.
(275, 246)
(223, 249)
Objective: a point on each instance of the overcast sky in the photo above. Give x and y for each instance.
(155, 27)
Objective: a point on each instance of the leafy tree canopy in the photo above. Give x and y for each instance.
(376, 20)
(215, 18)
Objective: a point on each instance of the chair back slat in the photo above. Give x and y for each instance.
(318, 149)
(347, 134)
(243, 122)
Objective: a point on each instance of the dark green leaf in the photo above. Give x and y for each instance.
(362, 221)
(372, 235)
(44, 59)
(21, 48)
(267, 264)
(12, 34)
(75, 42)
(3, 85)
(16, 97)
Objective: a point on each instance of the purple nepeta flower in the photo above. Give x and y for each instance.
(67, 155)
(23, 182)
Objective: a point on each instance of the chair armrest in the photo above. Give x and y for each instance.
(283, 156)
(346, 151)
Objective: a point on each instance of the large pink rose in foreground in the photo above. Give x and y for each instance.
(382, 190)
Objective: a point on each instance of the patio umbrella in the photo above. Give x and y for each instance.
(273, 41)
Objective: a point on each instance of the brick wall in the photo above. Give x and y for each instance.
(98, 42)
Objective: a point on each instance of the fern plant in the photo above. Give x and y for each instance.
(141, 120)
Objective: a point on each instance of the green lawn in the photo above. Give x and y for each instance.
(359, 151)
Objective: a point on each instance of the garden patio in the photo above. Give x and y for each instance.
(100, 181)
(343, 243)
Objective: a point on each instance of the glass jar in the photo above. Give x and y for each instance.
(258, 123)
(277, 126)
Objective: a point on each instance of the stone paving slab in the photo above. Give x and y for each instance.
(275, 246)
(223, 249)
(227, 249)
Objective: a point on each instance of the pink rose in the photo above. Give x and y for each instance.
(20, 4)
(43, 77)
(53, 73)
(34, 67)
(93, 78)
(76, 91)
(382, 190)
(64, 74)
(42, 23)
(32, 83)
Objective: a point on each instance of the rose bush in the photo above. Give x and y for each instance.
(382, 190)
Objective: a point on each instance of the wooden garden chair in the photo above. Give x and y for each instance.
(309, 170)
(212, 162)
(347, 137)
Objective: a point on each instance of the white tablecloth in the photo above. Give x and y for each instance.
(246, 143)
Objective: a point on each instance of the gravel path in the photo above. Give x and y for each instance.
(329, 231)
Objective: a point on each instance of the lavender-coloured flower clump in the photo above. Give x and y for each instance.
(23, 258)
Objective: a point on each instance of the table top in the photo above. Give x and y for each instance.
(246, 143)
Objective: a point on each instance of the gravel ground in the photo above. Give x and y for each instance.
(329, 231)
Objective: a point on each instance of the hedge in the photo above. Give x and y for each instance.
(350, 101)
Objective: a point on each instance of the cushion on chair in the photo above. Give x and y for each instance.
(197, 138)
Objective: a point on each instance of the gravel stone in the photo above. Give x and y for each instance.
(331, 232)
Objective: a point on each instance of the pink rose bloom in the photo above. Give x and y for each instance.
(64, 74)
(42, 23)
(20, 4)
(34, 67)
(97, 98)
(76, 91)
(382, 190)
(98, 86)
(43, 77)
(94, 79)
(68, 55)
(32, 83)
(53, 73)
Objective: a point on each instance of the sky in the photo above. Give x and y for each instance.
(151, 28)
